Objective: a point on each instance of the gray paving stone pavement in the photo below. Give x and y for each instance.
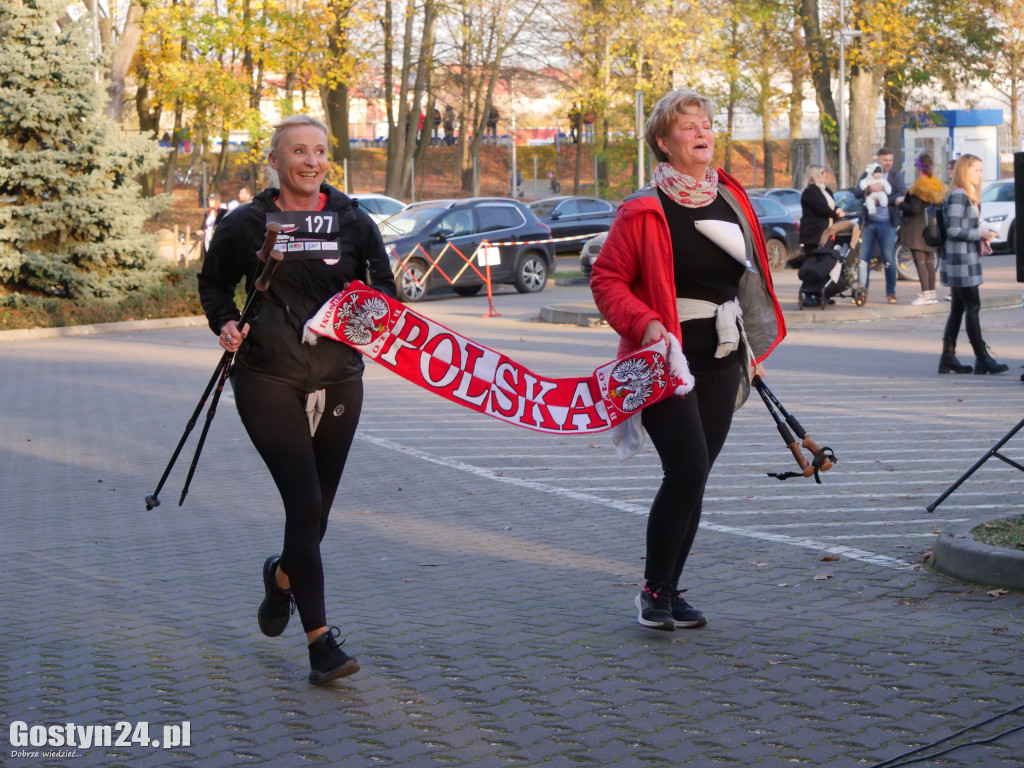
(484, 574)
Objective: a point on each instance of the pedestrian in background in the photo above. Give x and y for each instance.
(492, 123)
(244, 197)
(926, 190)
(960, 267)
(449, 125)
(211, 218)
(818, 208)
(879, 228)
(661, 277)
(299, 404)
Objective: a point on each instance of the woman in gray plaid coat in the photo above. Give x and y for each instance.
(960, 267)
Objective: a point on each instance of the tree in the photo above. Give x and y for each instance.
(822, 66)
(1006, 60)
(481, 35)
(75, 226)
(409, 89)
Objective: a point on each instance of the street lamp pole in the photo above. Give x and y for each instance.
(639, 96)
(844, 35)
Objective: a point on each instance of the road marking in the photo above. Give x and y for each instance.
(588, 498)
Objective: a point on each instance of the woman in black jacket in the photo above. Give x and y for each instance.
(819, 209)
(300, 404)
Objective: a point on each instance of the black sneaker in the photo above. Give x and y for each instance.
(684, 614)
(654, 609)
(278, 604)
(326, 659)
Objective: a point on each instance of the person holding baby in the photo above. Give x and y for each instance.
(882, 188)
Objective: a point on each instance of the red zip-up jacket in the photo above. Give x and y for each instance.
(633, 279)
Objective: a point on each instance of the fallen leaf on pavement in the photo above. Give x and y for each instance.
(998, 592)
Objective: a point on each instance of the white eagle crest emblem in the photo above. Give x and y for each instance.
(361, 322)
(634, 381)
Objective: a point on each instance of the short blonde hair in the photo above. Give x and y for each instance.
(811, 176)
(671, 105)
(291, 122)
(963, 164)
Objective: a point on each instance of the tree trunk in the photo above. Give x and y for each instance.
(821, 77)
(766, 139)
(149, 120)
(221, 172)
(394, 182)
(336, 111)
(578, 146)
(797, 75)
(895, 116)
(428, 126)
(336, 94)
(863, 113)
(121, 61)
(402, 178)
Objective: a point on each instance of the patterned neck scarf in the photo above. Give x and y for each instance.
(686, 190)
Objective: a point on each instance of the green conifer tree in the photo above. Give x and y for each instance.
(71, 213)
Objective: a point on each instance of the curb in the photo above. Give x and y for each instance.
(959, 555)
(586, 314)
(127, 326)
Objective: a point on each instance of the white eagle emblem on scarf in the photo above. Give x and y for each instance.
(633, 381)
(362, 322)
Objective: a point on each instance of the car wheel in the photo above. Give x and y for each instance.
(467, 290)
(411, 284)
(531, 273)
(777, 253)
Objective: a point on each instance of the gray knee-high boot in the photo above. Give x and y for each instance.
(948, 362)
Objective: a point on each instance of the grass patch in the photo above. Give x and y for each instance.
(175, 295)
(1002, 533)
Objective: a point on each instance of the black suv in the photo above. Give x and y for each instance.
(445, 228)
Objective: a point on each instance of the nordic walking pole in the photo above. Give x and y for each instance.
(824, 458)
(153, 500)
(787, 437)
(272, 258)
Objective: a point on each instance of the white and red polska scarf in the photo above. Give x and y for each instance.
(686, 190)
(458, 369)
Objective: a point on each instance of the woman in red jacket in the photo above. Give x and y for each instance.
(686, 257)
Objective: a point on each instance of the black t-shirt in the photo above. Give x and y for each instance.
(702, 271)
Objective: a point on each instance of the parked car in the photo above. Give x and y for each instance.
(998, 211)
(781, 235)
(787, 197)
(444, 229)
(781, 232)
(568, 216)
(848, 202)
(380, 207)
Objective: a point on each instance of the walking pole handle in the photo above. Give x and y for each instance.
(820, 454)
(269, 255)
(798, 454)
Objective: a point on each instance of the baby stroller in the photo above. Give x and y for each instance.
(831, 269)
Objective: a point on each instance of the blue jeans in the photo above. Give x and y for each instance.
(884, 234)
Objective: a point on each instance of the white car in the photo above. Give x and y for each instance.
(380, 207)
(998, 210)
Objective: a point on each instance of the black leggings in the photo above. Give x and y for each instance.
(307, 470)
(966, 305)
(688, 433)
